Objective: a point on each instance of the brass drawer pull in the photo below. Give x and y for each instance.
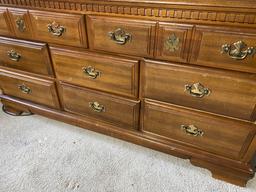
(192, 130)
(96, 107)
(238, 50)
(197, 90)
(119, 36)
(20, 24)
(24, 89)
(55, 29)
(172, 44)
(91, 72)
(13, 55)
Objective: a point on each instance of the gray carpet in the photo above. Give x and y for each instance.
(42, 155)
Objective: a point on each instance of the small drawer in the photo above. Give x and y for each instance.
(214, 134)
(120, 35)
(98, 71)
(60, 28)
(33, 89)
(226, 48)
(224, 92)
(25, 55)
(20, 22)
(173, 41)
(105, 107)
(4, 27)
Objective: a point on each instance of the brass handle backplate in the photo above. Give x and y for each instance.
(56, 29)
(20, 24)
(238, 50)
(95, 106)
(13, 55)
(24, 89)
(119, 36)
(192, 130)
(197, 90)
(172, 43)
(91, 72)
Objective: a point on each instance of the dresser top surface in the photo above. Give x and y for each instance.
(246, 4)
(217, 3)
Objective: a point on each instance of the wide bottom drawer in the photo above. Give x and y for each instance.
(100, 106)
(207, 132)
(37, 90)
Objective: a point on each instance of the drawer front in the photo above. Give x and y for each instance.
(111, 74)
(228, 93)
(20, 22)
(4, 28)
(120, 35)
(60, 28)
(112, 109)
(173, 41)
(25, 55)
(225, 48)
(207, 132)
(32, 89)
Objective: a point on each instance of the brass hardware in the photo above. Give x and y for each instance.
(96, 107)
(197, 90)
(238, 50)
(55, 29)
(24, 89)
(192, 130)
(91, 72)
(20, 24)
(119, 36)
(172, 43)
(13, 55)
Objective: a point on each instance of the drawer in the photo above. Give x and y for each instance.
(218, 91)
(121, 35)
(103, 107)
(60, 28)
(25, 55)
(33, 89)
(173, 41)
(225, 48)
(98, 71)
(4, 27)
(214, 134)
(19, 19)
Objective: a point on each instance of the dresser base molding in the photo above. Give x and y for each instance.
(221, 168)
(14, 110)
(224, 173)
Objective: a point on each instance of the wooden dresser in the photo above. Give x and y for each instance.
(178, 76)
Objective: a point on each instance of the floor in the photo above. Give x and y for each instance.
(43, 155)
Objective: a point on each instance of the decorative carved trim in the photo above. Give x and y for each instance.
(221, 16)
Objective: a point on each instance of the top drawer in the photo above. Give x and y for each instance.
(224, 48)
(60, 28)
(119, 35)
(20, 22)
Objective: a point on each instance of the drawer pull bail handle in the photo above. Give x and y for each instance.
(192, 130)
(20, 24)
(55, 29)
(96, 107)
(13, 55)
(91, 72)
(238, 50)
(197, 90)
(24, 89)
(119, 36)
